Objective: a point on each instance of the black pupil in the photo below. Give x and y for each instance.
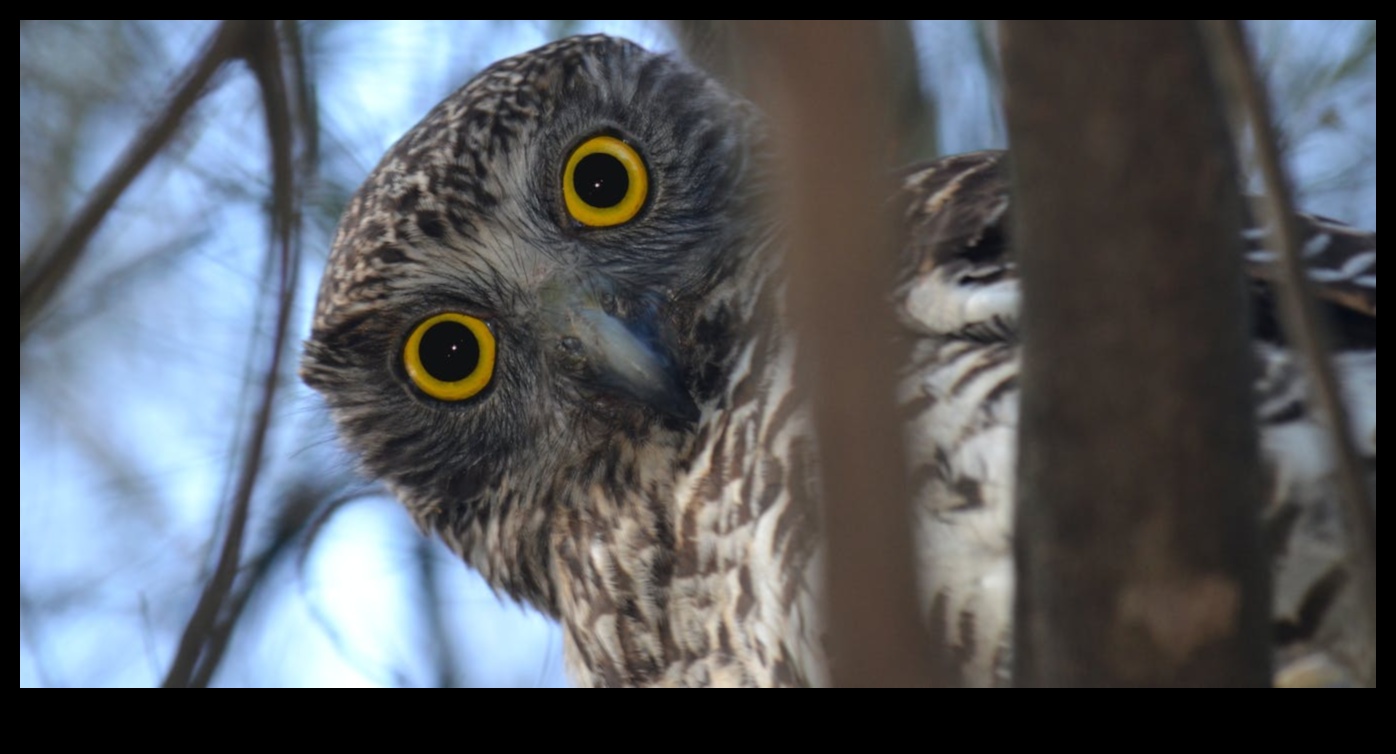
(600, 180)
(449, 351)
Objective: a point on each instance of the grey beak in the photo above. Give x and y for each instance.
(629, 356)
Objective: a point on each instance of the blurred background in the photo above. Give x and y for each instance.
(170, 252)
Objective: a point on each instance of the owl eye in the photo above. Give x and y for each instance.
(605, 182)
(450, 356)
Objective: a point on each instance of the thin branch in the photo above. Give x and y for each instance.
(306, 112)
(296, 511)
(203, 635)
(1303, 324)
(44, 270)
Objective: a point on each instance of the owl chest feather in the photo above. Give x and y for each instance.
(718, 587)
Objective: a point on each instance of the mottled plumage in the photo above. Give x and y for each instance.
(638, 463)
(959, 293)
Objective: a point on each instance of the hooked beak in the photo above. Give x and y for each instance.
(625, 353)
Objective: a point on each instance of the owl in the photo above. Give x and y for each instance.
(553, 325)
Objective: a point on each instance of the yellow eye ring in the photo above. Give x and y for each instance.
(450, 356)
(605, 182)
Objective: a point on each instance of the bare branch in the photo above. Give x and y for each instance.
(44, 270)
(297, 510)
(204, 635)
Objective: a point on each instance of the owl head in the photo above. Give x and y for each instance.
(531, 301)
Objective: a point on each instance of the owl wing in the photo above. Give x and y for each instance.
(958, 293)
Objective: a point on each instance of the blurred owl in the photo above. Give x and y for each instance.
(552, 323)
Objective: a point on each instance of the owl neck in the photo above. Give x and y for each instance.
(591, 546)
(613, 554)
(710, 578)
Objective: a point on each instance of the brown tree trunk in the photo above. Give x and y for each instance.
(1138, 547)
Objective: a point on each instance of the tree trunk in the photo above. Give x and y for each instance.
(1138, 549)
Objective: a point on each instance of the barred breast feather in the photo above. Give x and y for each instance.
(958, 293)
